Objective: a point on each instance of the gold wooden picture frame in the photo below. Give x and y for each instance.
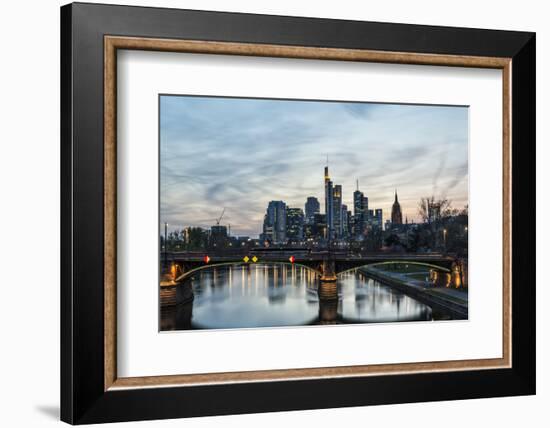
(114, 43)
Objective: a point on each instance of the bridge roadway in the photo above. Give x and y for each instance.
(326, 264)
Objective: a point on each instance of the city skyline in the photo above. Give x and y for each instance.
(240, 154)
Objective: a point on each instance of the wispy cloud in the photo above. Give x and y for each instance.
(242, 153)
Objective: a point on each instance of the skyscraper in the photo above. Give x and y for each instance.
(294, 224)
(319, 229)
(338, 218)
(396, 216)
(274, 229)
(366, 211)
(329, 205)
(312, 207)
(379, 218)
(360, 207)
(346, 222)
(357, 213)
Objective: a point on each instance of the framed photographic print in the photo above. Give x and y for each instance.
(274, 213)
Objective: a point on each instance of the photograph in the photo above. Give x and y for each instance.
(291, 213)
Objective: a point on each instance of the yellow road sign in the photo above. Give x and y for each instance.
(254, 259)
(246, 259)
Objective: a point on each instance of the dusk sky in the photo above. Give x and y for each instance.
(242, 153)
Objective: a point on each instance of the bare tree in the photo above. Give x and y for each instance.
(431, 209)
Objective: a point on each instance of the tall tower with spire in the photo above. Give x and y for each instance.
(396, 216)
(329, 203)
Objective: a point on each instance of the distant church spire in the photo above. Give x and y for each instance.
(396, 216)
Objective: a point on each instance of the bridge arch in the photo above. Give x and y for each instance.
(403, 262)
(192, 271)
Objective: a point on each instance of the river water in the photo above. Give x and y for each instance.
(276, 295)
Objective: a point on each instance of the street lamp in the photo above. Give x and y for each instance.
(445, 240)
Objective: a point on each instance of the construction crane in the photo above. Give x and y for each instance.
(220, 217)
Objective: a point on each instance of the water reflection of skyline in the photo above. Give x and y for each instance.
(274, 295)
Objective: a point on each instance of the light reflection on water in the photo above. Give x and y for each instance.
(275, 295)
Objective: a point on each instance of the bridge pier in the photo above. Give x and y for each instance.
(328, 271)
(328, 290)
(328, 312)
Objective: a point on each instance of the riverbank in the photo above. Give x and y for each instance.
(447, 300)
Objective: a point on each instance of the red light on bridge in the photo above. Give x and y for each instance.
(292, 259)
(206, 259)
